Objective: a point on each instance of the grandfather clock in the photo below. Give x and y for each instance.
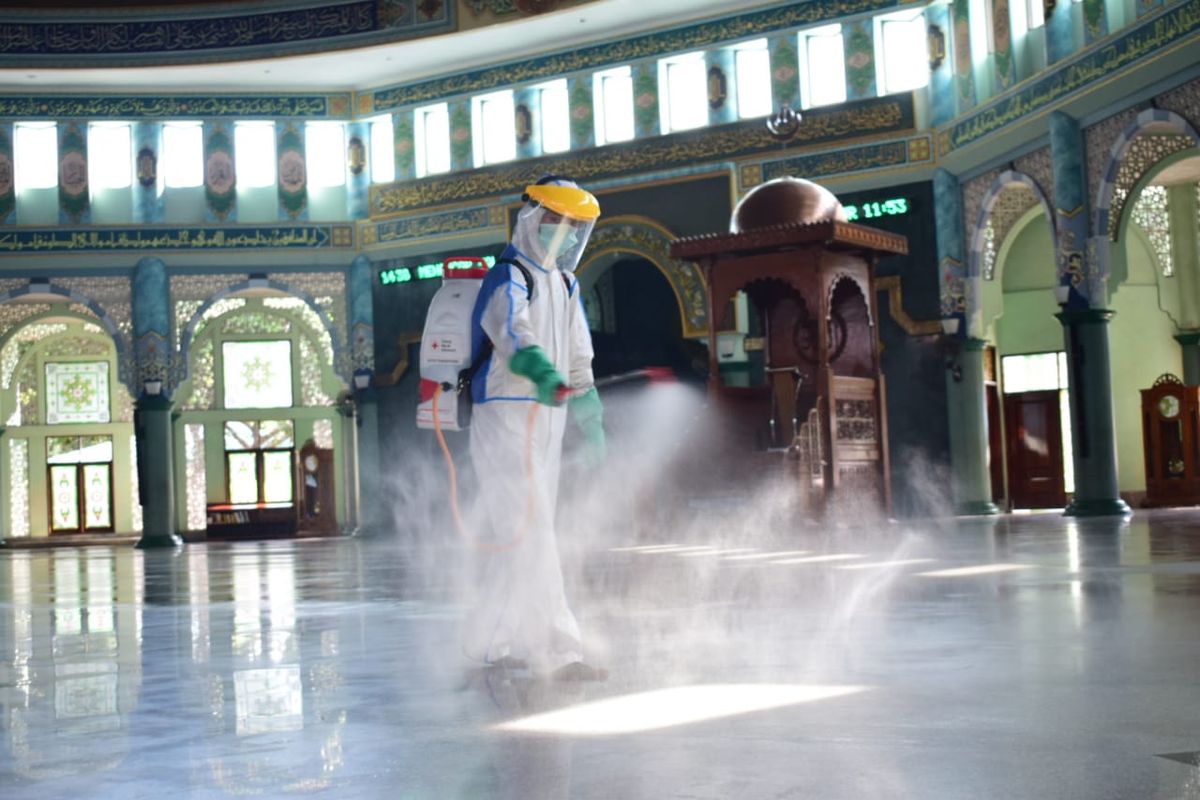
(1170, 417)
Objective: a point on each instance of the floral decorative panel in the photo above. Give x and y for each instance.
(197, 487)
(97, 496)
(77, 392)
(18, 487)
(323, 433)
(64, 497)
(257, 374)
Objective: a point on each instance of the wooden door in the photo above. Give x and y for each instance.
(1033, 429)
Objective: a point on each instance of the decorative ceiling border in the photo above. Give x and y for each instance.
(44, 106)
(705, 34)
(1148, 38)
(422, 226)
(132, 38)
(867, 157)
(861, 119)
(191, 239)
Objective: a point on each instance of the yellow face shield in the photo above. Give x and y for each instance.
(569, 201)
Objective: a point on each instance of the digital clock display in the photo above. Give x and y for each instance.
(389, 277)
(891, 207)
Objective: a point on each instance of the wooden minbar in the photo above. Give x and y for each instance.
(817, 404)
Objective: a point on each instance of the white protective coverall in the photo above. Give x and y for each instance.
(522, 613)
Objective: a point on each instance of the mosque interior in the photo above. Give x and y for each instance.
(896, 315)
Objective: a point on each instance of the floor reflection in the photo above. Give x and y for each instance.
(973, 658)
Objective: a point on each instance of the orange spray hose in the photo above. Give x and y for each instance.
(530, 498)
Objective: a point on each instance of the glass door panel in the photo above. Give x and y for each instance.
(64, 497)
(97, 496)
(243, 477)
(277, 476)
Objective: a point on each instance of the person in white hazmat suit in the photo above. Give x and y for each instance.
(542, 354)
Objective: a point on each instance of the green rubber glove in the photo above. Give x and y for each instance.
(589, 416)
(531, 362)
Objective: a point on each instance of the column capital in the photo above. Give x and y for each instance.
(1185, 338)
(1086, 316)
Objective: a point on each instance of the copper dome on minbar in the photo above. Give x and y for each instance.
(785, 201)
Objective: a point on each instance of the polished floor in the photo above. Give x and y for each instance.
(1020, 657)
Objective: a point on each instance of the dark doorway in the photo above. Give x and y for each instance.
(634, 317)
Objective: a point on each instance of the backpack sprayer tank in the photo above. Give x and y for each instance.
(446, 344)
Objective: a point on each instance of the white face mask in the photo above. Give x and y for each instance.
(546, 234)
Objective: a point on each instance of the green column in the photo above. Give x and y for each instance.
(583, 119)
(1093, 433)
(721, 72)
(528, 102)
(370, 499)
(156, 467)
(646, 121)
(972, 481)
(1189, 344)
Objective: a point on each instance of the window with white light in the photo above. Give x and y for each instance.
(383, 150)
(822, 66)
(110, 155)
(183, 154)
(1026, 15)
(901, 54)
(254, 154)
(325, 154)
(1035, 13)
(555, 116)
(494, 138)
(431, 139)
(612, 97)
(752, 73)
(981, 32)
(36, 155)
(682, 92)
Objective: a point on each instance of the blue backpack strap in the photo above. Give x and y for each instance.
(485, 350)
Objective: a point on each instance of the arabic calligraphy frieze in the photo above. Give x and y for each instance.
(177, 107)
(431, 225)
(81, 42)
(241, 237)
(742, 26)
(854, 159)
(1150, 37)
(850, 121)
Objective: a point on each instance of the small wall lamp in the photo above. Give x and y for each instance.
(362, 379)
(949, 346)
(153, 386)
(1062, 294)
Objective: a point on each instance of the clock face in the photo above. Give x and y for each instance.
(310, 463)
(1168, 406)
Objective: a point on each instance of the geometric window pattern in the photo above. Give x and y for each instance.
(257, 374)
(77, 392)
(197, 486)
(18, 498)
(989, 252)
(1149, 213)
